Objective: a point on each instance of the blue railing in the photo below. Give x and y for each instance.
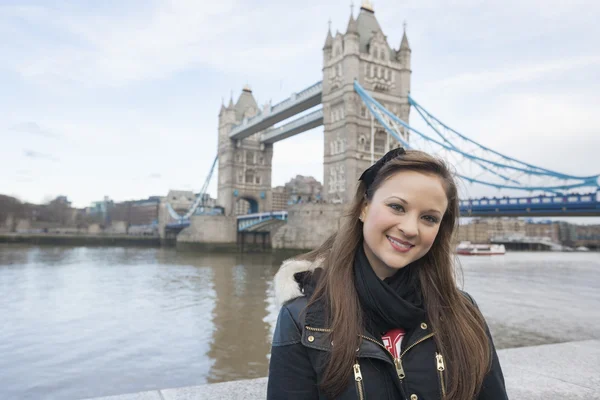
(569, 204)
(246, 221)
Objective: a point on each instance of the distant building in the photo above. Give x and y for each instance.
(304, 189)
(136, 212)
(547, 229)
(280, 198)
(588, 236)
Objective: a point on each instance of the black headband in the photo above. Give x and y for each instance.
(370, 173)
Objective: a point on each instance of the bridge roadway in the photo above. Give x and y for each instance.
(293, 105)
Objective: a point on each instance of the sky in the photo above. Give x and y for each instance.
(121, 98)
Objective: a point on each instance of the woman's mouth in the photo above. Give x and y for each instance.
(400, 245)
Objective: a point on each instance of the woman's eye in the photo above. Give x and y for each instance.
(396, 207)
(431, 219)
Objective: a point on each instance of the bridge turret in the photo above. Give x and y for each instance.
(328, 45)
(351, 38)
(403, 58)
(363, 54)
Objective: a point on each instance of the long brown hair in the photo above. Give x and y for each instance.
(459, 327)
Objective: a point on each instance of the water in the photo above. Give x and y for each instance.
(86, 322)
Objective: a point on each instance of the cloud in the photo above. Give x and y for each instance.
(33, 129)
(39, 156)
(174, 36)
(154, 176)
(487, 80)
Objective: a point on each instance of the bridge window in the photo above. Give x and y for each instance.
(238, 157)
(503, 202)
(535, 201)
(546, 201)
(339, 69)
(249, 177)
(385, 73)
(363, 111)
(523, 201)
(586, 198)
(382, 54)
(257, 180)
(379, 72)
(512, 201)
(372, 74)
(362, 143)
(573, 199)
(558, 200)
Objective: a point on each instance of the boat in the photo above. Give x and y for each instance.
(470, 249)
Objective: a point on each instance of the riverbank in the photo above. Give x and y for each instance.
(80, 239)
(554, 371)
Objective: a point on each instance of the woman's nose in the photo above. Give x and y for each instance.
(408, 226)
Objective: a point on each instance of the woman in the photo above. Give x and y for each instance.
(374, 313)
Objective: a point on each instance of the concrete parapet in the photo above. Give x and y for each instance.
(547, 372)
(209, 232)
(308, 226)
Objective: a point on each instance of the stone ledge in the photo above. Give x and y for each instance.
(555, 371)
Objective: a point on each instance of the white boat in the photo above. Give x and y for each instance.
(469, 249)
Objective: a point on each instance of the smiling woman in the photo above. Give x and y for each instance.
(375, 311)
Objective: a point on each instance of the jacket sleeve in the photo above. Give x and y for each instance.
(493, 387)
(291, 375)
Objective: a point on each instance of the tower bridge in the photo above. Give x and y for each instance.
(364, 104)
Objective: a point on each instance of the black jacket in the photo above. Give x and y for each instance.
(299, 351)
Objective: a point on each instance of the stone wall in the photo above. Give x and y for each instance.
(308, 226)
(214, 230)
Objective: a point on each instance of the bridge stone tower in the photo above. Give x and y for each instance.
(362, 54)
(244, 165)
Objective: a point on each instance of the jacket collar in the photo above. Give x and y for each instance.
(289, 285)
(286, 286)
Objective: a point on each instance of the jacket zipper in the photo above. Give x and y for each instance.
(441, 367)
(397, 361)
(360, 389)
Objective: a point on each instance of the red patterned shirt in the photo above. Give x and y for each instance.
(393, 340)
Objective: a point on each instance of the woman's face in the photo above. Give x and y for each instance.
(402, 220)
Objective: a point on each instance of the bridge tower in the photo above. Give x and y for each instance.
(244, 165)
(362, 53)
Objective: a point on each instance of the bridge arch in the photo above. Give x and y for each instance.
(246, 204)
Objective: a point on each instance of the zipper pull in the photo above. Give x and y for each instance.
(357, 373)
(399, 368)
(440, 362)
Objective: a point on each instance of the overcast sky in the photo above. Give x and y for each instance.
(121, 98)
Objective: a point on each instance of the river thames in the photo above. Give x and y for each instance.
(81, 322)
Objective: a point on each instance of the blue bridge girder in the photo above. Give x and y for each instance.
(293, 105)
(568, 205)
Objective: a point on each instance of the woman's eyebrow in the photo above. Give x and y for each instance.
(401, 200)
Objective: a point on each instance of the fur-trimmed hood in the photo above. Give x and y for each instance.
(286, 286)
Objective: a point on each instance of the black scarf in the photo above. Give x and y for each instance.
(395, 302)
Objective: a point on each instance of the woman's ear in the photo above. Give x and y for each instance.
(364, 210)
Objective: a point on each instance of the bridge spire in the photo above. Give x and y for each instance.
(404, 46)
(352, 25)
(329, 39)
